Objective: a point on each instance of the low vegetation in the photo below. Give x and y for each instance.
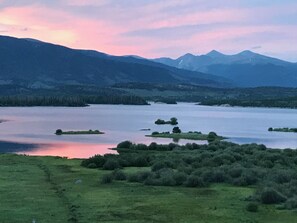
(272, 172)
(54, 189)
(172, 121)
(87, 132)
(178, 134)
(282, 129)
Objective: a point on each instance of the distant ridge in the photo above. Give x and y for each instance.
(244, 69)
(33, 63)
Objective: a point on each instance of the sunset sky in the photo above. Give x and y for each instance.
(155, 28)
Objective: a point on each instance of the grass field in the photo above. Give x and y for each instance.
(52, 189)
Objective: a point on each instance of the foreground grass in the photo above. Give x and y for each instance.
(51, 189)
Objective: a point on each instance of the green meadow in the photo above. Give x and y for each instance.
(54, 189)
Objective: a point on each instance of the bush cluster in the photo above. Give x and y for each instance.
(271, 171)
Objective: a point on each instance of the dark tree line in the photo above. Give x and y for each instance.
(72, 101)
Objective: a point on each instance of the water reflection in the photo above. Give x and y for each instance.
(37, 125)
(71, 150)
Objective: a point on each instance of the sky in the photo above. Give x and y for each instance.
(157, 28)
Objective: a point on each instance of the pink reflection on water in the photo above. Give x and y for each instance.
(71, 150)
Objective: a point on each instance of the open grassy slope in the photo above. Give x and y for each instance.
(51, 189)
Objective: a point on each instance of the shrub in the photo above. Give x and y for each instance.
(59, 132)
(176, 130)
(106, 179)
(252, 207)
(160, 165)
(139, 177)
(119, 175)
(141, 161)
(167, 180)
(153, 145)
(111, 164)
(97, 160)
(215, 176)
(155, 133)
(211, 136)
(235, 171)
(194, 181)
(291, 203)
(143, 175)
(180, 178)
(92, 165)
(282, 176)
(173, 121)
(124, 144)
(141, 146)
(160, 122)
(247, 178)
(152, 181)
(271, 196)
(133, 177)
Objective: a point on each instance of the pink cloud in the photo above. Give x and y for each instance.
(106, 31)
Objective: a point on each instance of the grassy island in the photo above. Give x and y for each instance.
(87, 132)
(187, 135)
(282, 129)
(172, 121)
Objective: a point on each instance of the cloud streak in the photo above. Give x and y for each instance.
(153, 28)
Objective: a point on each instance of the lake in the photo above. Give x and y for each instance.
(37, 125)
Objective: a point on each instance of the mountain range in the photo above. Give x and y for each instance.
(36, 64)
(245, 69)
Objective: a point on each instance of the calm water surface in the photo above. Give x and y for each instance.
(121, 122)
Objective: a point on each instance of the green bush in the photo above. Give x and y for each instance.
(59, 132)
(141, 161)
(180, 178)
(195, 181)
(252, 207)
(271, 196)
(125, 144)
(92, 165)
(106, 179)
(168, 181)
(111, 164)
(153, 145)
(211, 136)
(119, 175)
(139, 177)
(291, 203)
(247, 178)
(97, 160)
(176, 130)
(160, 122)
(173, 121)
(160, 165)
(214, 176)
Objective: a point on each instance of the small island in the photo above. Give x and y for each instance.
(172, 121)
(86, 132)
(282, 129)
(178, 134)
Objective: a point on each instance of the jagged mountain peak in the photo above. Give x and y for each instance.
(215, 54)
